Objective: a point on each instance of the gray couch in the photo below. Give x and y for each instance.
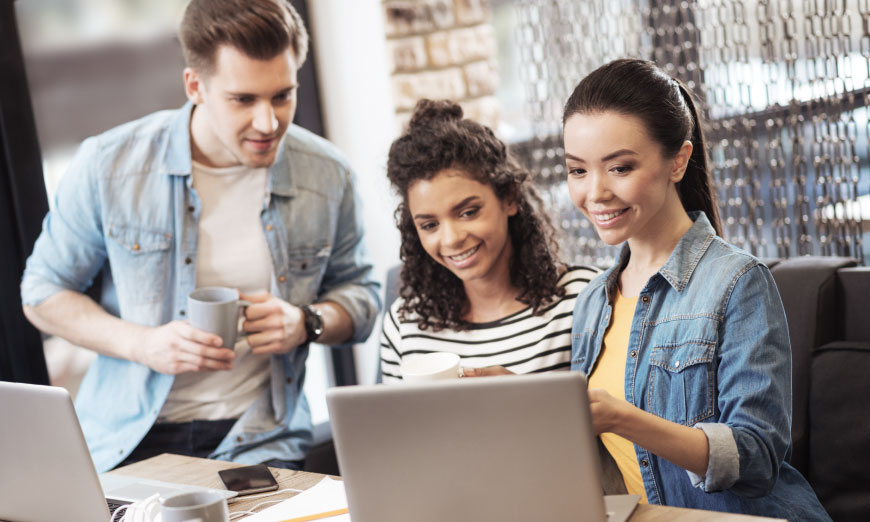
(827, 303)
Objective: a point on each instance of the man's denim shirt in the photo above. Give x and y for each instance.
(125, 211)
(708, 348)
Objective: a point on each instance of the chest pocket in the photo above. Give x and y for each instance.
(682, 381)
(306, 267)
(139, 260)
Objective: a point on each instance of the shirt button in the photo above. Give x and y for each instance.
(268, 227)
(188, 260)
(677, 364)
(136, 247)
(191, 208)
(289, 380)
(239, 438)
(644, 463)
(282, 279)
(633, 354)
(181, 312)
(645, 299)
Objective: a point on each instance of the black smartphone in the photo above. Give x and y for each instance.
(248, 479)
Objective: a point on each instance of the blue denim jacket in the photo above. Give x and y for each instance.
(125, 212)
(708, 348)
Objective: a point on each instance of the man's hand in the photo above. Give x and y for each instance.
(177, 347)
(273, 326)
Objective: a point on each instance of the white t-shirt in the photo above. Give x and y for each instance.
(231, 251)
(522, 342)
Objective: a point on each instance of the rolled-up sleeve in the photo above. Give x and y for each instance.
(348, 279)
(70, 250)
(749, 443)
(723, 466)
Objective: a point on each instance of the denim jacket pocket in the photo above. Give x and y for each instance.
(139, 260)
(681, 379)
(306, 267)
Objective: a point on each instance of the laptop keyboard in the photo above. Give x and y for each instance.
(113, 506)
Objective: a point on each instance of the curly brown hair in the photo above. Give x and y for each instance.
(438, 138)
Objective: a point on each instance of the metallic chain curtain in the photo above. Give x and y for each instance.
(785, 87)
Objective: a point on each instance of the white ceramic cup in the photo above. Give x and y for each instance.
(195, 506)
(425, 367)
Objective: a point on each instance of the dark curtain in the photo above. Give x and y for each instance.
(22, 206)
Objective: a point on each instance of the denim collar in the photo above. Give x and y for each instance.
(177, 160)
(680, 266)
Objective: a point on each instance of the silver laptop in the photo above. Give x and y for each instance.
(514, 448)
(46, 471)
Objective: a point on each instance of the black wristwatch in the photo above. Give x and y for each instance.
(313, 323)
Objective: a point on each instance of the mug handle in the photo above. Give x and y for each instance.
(241, 333)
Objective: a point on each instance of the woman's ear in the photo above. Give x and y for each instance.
(681, 162)
(510, 205)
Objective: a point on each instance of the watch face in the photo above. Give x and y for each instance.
(313, 323)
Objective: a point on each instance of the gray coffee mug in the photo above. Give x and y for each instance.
(195, 506)
(215, 309)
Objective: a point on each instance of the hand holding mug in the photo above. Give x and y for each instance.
(178, 347)
(273, 325)
(487, 371)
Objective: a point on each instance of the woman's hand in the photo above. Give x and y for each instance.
(488, 371)
(684, 446)
(607, 411)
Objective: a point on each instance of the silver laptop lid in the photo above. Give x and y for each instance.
(46, 471)
(514, 448)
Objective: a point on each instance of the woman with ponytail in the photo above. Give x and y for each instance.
(684, 340)
(480, 274)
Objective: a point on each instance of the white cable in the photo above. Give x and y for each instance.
(235, 514)
(146, 510)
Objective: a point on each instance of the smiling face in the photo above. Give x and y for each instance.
(463, 226)
(242, 109)
(619, 178)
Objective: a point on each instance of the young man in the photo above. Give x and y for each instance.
(224, 191)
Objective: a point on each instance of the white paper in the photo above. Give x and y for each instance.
(327, 495)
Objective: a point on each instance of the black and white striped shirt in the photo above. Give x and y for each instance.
(521, 342)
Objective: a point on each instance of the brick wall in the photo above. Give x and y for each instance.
(443, 49)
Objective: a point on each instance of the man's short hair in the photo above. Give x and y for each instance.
(260, 29)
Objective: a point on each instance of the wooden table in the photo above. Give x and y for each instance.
(202, 472)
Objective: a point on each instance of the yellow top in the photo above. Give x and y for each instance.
(609, 374)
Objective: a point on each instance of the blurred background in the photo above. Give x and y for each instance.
(784, 85)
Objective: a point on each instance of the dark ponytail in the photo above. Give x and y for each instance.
(696, 188)
(666, 107)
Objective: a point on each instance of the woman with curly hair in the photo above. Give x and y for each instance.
(480, 276)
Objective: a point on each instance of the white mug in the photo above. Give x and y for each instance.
(426, 367)
(195, 506)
